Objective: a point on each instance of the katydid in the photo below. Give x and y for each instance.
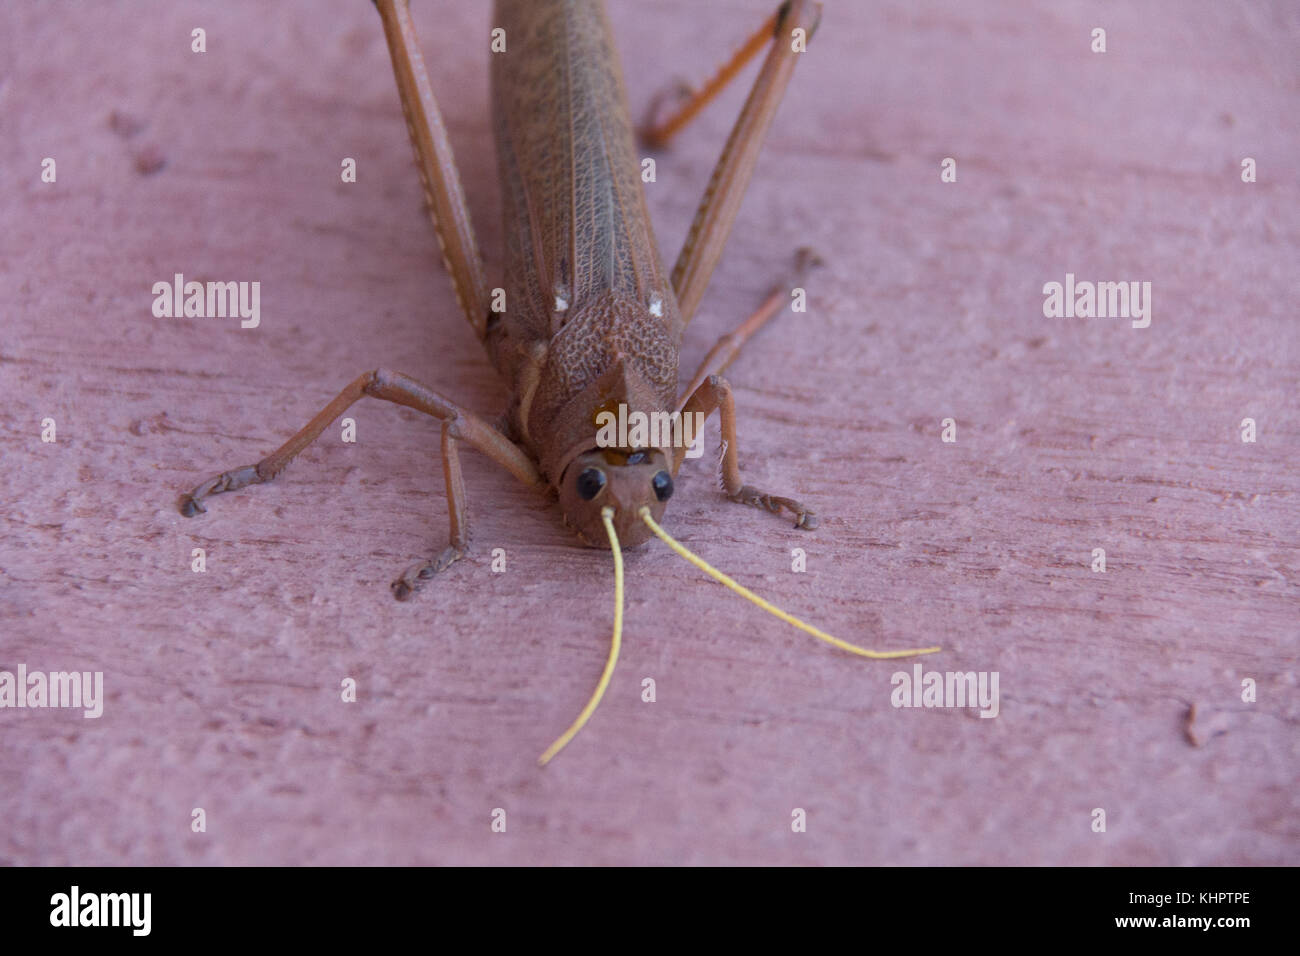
(591, 321)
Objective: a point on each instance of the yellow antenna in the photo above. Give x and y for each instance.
(607, 516)
(766, 606)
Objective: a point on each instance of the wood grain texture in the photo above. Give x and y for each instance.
(222, 687)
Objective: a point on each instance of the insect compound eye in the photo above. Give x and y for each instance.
(663, 485)
(590, 482)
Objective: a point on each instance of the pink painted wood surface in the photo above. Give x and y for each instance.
(223, 688)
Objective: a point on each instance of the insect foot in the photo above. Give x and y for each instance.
(804, 517)
(191, 504)
(417, 574)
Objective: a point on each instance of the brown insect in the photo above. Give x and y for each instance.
(592, 321)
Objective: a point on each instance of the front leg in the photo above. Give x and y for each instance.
(715, 393)
(457, 424)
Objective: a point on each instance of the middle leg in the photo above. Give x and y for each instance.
(727, 348)
(457, 424)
